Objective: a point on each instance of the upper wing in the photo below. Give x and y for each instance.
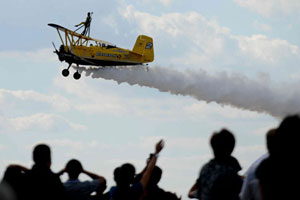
(61, 28)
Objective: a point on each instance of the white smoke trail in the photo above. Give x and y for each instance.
(235, 90)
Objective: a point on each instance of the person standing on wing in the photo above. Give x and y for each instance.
(87, 24)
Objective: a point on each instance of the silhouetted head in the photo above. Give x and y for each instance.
(155, 176)
(272, 142)
(89, 14)
(128, 171)
(124, 175)
(117, 174)
(222, 143)
(15, 178)
(289, 135)
(74, 168)
(42, 155)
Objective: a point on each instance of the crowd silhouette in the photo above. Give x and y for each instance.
(272, 176)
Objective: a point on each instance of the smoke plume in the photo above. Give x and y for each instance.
(235, 89)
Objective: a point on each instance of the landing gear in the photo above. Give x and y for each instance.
(77, 75)
(65, 72)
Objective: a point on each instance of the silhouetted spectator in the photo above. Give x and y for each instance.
(153, 191)
(219, 178)
(41, 182)
(6, 192)
(81, 190)
(124, 178)
(251, 189)
(278, 173)
(14, 177)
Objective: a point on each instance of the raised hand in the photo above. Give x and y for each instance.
(159, 146)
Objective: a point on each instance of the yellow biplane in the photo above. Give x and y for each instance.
(80, 49)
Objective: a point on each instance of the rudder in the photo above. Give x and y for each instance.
(144, 46)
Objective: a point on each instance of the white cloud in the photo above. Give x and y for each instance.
(58, 102)
(172, 23)
(270, 51)
(40, 55)
(271, 7)
(165, 2)
(261, 26)
(39, 122)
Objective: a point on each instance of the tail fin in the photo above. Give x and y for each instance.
(144, 47)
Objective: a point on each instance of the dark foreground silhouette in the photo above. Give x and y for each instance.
(271, 177)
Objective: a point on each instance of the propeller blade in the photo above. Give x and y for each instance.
(54, 47)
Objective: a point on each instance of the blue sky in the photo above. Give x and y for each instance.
(104, 124)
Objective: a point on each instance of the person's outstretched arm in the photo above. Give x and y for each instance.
(61, 172)
(21, 167)
(95, 176)
(146, 176)
(79, 24)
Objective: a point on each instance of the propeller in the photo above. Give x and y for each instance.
(56, 51)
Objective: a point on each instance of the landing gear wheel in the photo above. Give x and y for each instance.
(77, 75)
(65, 72)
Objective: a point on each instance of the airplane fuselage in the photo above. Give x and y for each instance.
(99, 56)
